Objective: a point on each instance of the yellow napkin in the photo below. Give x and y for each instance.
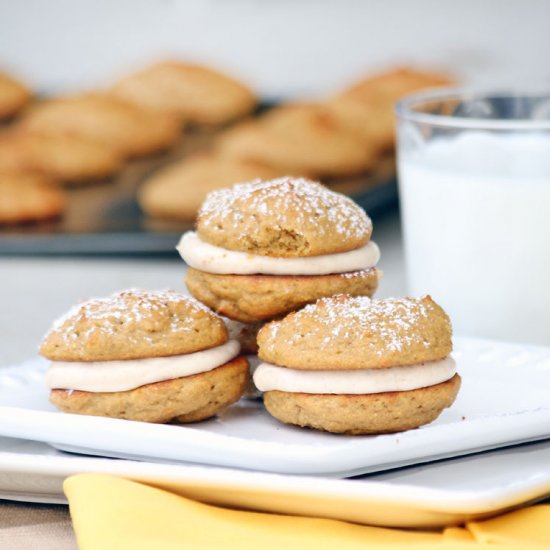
(114, 513)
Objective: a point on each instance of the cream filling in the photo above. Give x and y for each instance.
(214, 259)
(114, 376)
(269, 377)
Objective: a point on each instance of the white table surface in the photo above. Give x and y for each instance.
(36, 290)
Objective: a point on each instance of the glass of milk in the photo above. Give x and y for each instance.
(474, 184)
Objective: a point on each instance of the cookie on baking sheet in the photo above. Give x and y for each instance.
(13, 96)
(388, 87)
(378, 94)
(177, 191)
(264, 248)
(193, 93)
(375, 126)
(123, 127)
(358, 366)
(69, 159)
(28, 198)
(153, 356)
(302, 139)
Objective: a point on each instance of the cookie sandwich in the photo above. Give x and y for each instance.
(265, 248)
(358, 366)
(143, 355)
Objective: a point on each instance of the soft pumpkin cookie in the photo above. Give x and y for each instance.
(253, 297)
(13, 96)
(68, 159)
(301, 139)
(123, 127)
(28, 198)
(371, 101)
(177, 191)
(388, 87)
(358, 366)
(193, 93)
(143, 355)
(286, 217)
(263, 249)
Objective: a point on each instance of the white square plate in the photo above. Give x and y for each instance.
(504, 400)
(430, 495)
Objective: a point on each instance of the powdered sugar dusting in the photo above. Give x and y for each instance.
(342, 319)
(132, 307)
(291, 202)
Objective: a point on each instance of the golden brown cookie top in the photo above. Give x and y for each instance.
(134, 324)
(28, 197)
(388, 87)
(70, 159)
(344, 332)
(284, 217)
(303, 138)
(373, 124)
(191, 92)
(124, 127)
(13, 96)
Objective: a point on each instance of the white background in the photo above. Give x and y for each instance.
(280, 47)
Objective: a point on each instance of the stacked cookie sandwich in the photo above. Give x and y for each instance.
(265, 248)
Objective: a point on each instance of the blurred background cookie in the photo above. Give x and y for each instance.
(302, 139)
(13, 96)
(388, 87)
(374, 125)
(373, 99)
(189, 92)
(69, 159)
(177, 190)
(127, 129)
(28, 198)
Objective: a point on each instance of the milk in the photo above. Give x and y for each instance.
(476, 222)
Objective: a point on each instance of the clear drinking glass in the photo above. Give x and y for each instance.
(474, 184)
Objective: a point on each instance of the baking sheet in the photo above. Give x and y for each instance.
(104, 217)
